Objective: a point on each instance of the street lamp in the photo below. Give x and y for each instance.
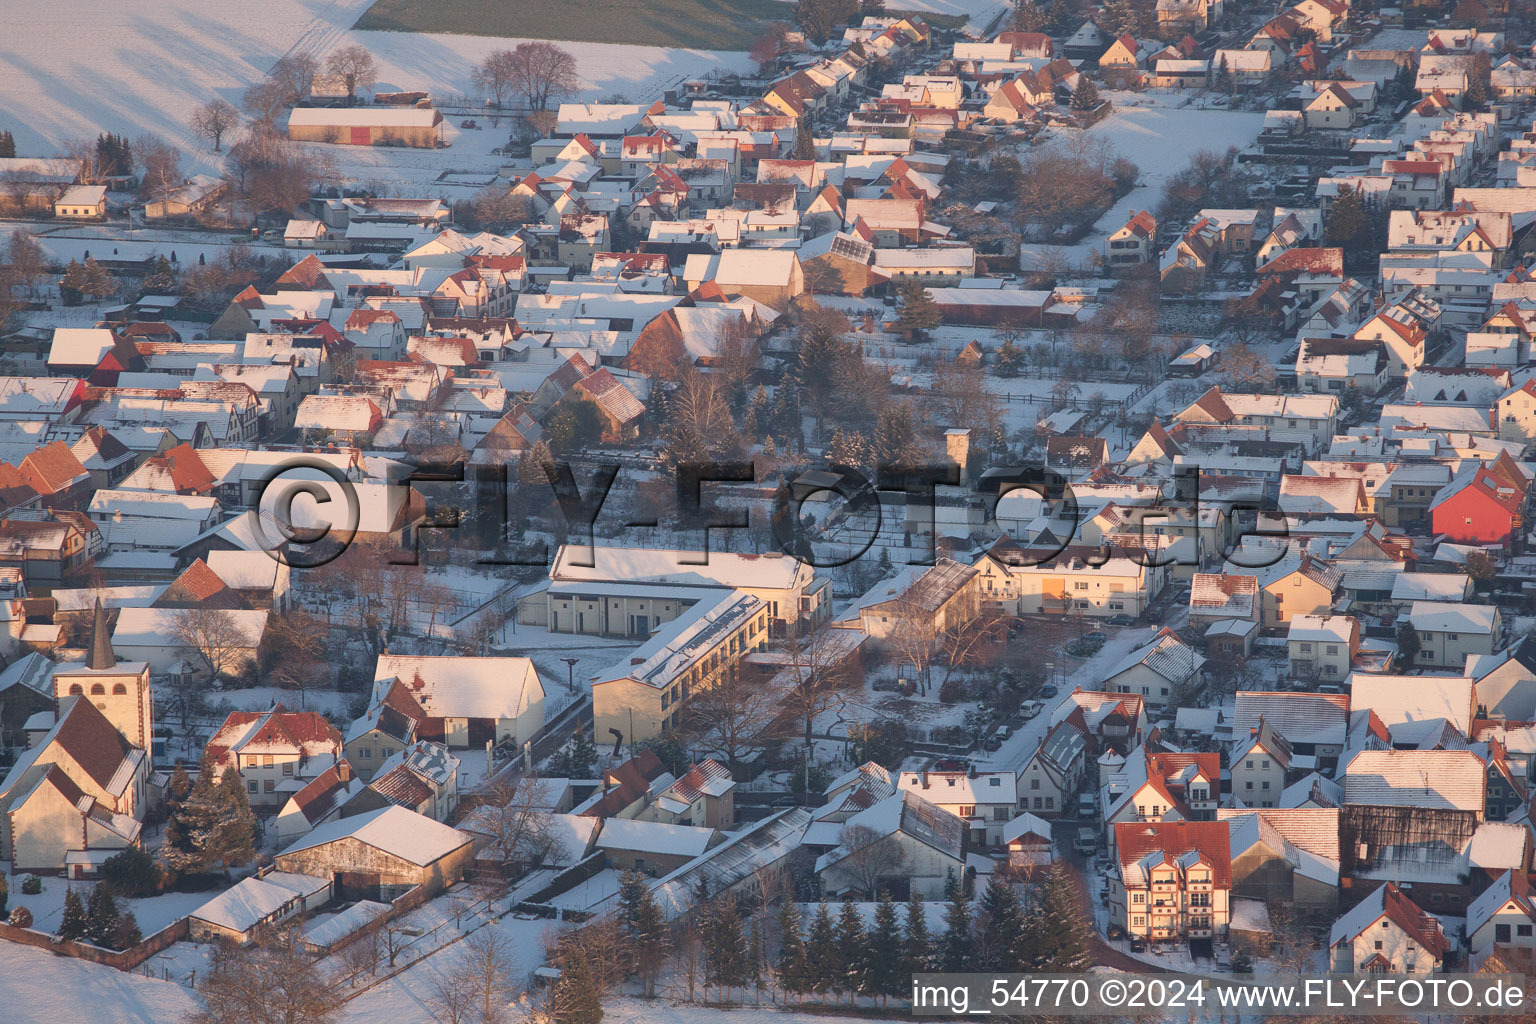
(570, 673)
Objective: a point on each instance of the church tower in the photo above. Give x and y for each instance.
(119, 689)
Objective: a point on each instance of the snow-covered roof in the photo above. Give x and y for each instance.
(654, 837)
(453, 686)
(1401, 700)
(402, 833)
(1435, 779)
(252, 901)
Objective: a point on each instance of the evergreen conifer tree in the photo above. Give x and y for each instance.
(854, 945)
(1086, 95)
(193, 825)
(234, 841)
(1065, 932)
(7, 145)
(74, 924)
(885, 975)
(791, 965)
(1221, 78)
(824, 961)
(127, 934)
(956, 948)
(917, 946)
(576, 997)
(1002, 928)
(917, 312)
(1027, 17)
(725, 946)
(101, 916)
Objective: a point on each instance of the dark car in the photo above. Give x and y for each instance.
(1138, 944)
(1048, 690)
(1121, 620)
(1095, 637)
(950, 764)
(993, 743)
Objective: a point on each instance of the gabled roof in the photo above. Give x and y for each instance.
(397, 831)
(1388, 901)
(1144, 844)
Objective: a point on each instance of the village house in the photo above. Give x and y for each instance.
(1322, 647)
(276, 753)
(1174, 880)
(458, 701)
(902, 844)
(1386, 933)
(986, 801)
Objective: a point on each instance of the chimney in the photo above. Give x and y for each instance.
(957, 445)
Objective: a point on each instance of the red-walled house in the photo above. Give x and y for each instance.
(1483, 505)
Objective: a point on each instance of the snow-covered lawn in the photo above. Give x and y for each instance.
(40, 988)
(137, 68)
(153, 913)
(1159, 140)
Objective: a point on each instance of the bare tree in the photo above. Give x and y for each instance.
(541, 72)
(293, 649)
(450, 995)
(355, 66)
(870, 859)
(496, 75)
(817, 673)
(214, 635)
(161, 162)
(295, 74)
(516, 817)
(486, 967)
(733, 716)
(213, 120)
(392, 938)
(914, 636)
(25, 261)
(362, 955)
(263, 101)
(271, 981)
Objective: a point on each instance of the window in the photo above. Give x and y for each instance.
(1501, 933)
(251, 786)
(364, 753)
(1034, 783)
(1050, 803)
(1523, 930)
(994, 781)
(288, 768)
(269, 786)
(1248, 784)
(1378, 943)
(266, 760)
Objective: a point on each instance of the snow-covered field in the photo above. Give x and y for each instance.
(137, 68)
(1141, 134)
(41, 988)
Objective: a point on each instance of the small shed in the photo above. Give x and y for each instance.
(235, 914)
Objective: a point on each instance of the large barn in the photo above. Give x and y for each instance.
(420, 127)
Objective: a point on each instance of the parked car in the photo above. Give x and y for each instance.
(1087, 805)
(1121, 620)
(1096, 636)
(1030, 708)
(993, 744)
(1138, 944)
(1048, 690)
(468, 124)
(951, 764)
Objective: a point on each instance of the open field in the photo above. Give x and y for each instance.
(712, 24)
(137, 68)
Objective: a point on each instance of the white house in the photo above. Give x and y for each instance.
(1386, 933)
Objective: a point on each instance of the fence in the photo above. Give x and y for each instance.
(122, 960)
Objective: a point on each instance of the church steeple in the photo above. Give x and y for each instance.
(100, 656)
